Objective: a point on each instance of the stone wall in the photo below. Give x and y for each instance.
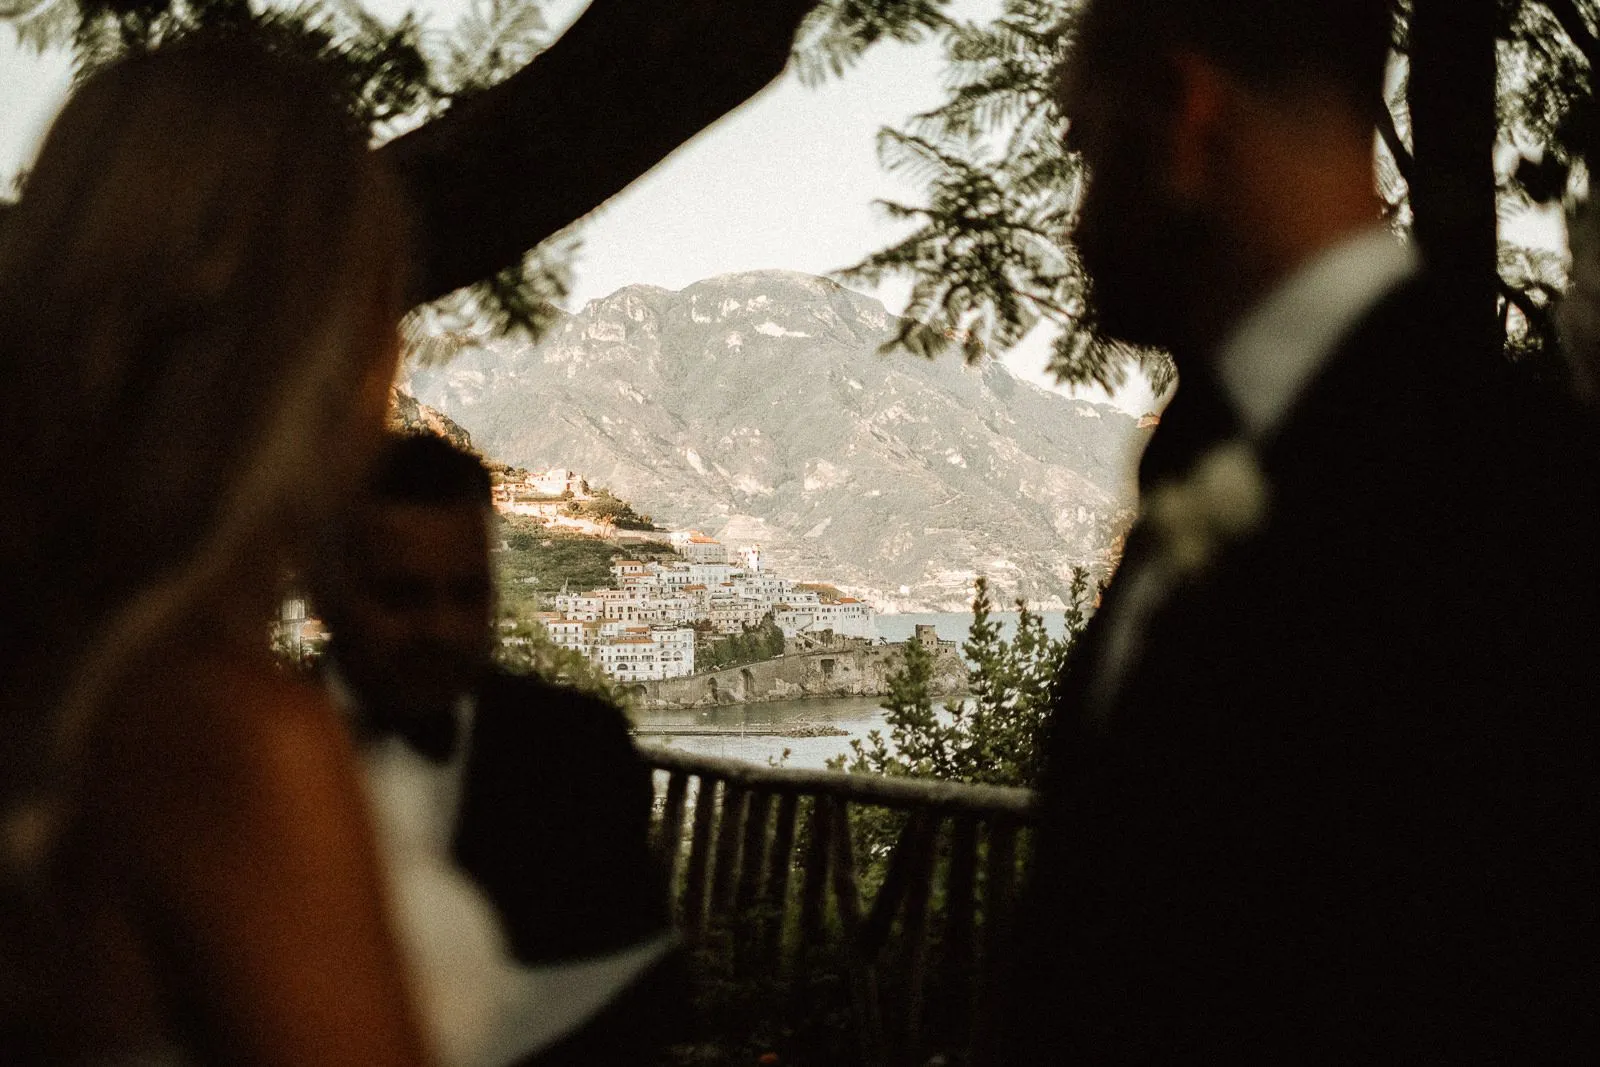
(861, 671)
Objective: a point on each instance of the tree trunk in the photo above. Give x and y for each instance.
(1454, 127)
(626, 85)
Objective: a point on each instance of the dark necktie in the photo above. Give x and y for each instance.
(431, 734)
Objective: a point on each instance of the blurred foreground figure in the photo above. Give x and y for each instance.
(198, 294)
(1322, 785)
(516, 812)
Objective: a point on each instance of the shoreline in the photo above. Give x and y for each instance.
(655, 704)
(793, 729)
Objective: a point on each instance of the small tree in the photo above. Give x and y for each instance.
(996, 734)
(527, 648)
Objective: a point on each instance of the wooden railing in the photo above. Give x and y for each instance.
(768, 849)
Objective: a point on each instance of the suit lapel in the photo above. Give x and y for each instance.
(1196, 420)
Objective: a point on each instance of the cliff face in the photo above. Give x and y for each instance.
(406, 412)
(862, 671)
(756, 407)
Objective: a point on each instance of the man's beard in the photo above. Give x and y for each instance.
(1146, 277)
(429, 681)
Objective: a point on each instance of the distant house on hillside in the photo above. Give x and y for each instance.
(698, 548)
(558, 481)
(641, 654)
(849, 617)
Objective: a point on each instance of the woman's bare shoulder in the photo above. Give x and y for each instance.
(221, 737)
(260, 848)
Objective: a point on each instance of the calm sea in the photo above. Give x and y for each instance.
(854, 715)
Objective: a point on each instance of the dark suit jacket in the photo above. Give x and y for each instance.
(1343, 803)
(554, 821)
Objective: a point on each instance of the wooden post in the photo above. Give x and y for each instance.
(747, 944)
(694, 890)
(914, 929)
(726, 871)
(845, 893)
(813, 893)
(863, 971)
(999, 902)
(1000, 877)
(669, 835)
(874, 931)
(959, 922)
(757, 812)
(733, 865)
(775, 894)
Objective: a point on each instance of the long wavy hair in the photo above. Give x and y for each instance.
(198, 299)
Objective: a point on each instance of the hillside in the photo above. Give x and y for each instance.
(756, 407)
(407, 414)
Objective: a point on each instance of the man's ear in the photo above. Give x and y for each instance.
(1201, 106)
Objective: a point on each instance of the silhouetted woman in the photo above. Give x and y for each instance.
(198, 299)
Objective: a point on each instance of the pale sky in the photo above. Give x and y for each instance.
(787, 181)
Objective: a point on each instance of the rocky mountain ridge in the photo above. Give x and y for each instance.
(756, 407)
(409, 415)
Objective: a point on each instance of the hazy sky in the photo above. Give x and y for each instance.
(786, 181)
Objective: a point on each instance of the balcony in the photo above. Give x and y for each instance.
(903, 889)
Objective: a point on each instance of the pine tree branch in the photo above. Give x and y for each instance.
(1518, 299)
(1577, 29)
(630, 82)
(1403, 160)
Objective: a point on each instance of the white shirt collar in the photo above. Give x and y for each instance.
(1284, 339)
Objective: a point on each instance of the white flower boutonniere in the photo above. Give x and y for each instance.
(1223, 499)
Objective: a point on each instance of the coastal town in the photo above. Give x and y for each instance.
(658, 615)
(647, 623)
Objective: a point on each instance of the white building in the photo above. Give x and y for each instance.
(676, 655)
(623, 569)
(555, 481)
(672, 576)
(712, 574)
(587, 607)
(765, 588)
(641, 655)
(629, 658)
(547, 511)
(288, 632)
(630, 605)
(575, 634)
(849, 617)
(702, 549)
(750, 558)
(730, 613)
(678, 608)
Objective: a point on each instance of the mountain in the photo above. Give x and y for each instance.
(757, 408)
(408, 414)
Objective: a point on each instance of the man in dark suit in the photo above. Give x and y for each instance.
(551, 801)
(1323, 773)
